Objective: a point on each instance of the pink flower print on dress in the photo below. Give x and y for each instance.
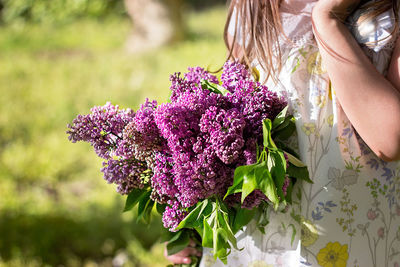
(371, 214)
(381, 232)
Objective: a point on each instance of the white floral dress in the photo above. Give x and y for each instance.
(350, 216)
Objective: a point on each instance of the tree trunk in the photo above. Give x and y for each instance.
(156, 23)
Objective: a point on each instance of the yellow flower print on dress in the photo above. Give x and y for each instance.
(208, 260)
(314, 64)
(308, 128)
(320, 101)
(330, 120)
(333, 255)
(309, 233)
(259, 263)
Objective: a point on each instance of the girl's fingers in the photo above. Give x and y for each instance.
(179, 260)
(183, 256)
(188, 252)
(192, 243)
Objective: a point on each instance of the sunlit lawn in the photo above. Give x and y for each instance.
(51, 190)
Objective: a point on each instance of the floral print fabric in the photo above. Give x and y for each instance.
(350, 215)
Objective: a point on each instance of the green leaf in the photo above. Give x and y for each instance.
(298, 194)
(143, 201)
(207, 235)
(224, 224)
(280, 118)
(215, 88)
(249, 183)
(299, 173)
(278, 170)
(282, 146)
(295, 217)
(133, 198)
(220, 244)
(293, 233)
(285, 130)
(238, 177)
(205, 210)
(199, 229)
(262, 216)
(147, 213)
(241, 173)
(266, 184)
(242, 218)
(176, 235)
(194, 262)
(166, 235)
(144, 208)
(160, 208)
(294, 160)
(289, 191)
(212, 217)
(267, 139)
(192, 217)
(178, 243)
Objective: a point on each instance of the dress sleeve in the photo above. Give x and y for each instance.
(374, 34)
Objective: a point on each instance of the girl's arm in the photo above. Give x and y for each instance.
(370, 101)
(394, 69)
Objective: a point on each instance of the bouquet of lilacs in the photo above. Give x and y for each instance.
(210, 160)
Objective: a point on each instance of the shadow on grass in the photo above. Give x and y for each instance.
(55, 239)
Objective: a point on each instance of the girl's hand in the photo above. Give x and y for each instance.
(339, 9)
(183, 256)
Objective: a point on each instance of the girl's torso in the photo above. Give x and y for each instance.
(350, 215)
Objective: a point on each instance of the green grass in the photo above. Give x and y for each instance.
(49, 186)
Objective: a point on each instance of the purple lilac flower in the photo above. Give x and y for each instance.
(259, 105)
(197, 74)
(144, 119)
(217, 176)
(232, 73)
(102, 128)
(251, 201)
(198, 100)
(179, 85)
(189, 182)
(191, 145)
(242, 91)
(287, 160)
(141, 137)
(177, 125)
(226, 132)
(162, 181)
(254, 199)
(285, 186)
(173, 215)
(126, 173)
(189, 82)
(250, 152)
(200, 178)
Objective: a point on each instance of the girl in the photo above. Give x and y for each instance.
(341, 76)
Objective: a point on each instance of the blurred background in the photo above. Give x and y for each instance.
(58, 58)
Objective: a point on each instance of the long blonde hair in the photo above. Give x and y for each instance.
(260, 27)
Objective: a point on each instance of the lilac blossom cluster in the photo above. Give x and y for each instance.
(190, 146)
(102, 128)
